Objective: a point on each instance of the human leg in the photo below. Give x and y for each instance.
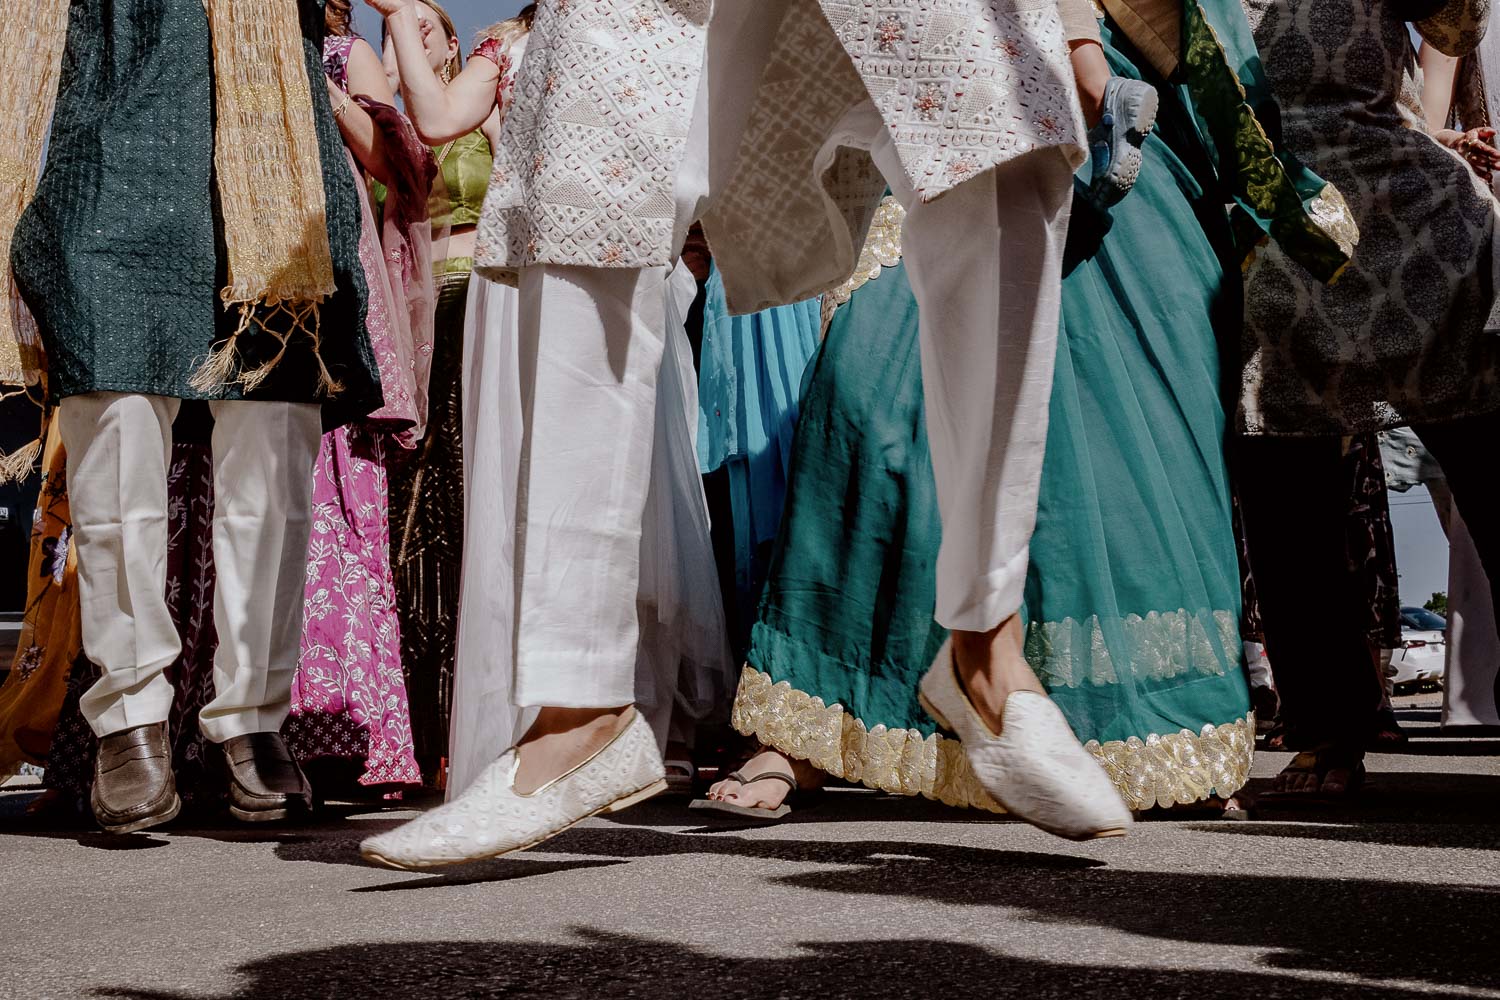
(118, 450)
(1461, 448)
(985, 263)
(263, 455)
(1294, 497)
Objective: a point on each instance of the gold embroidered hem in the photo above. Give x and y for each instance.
(1305, 215)
(900, 761)
(1180, 768)
(1176, 768)
(882, 249)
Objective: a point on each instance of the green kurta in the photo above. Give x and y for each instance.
(120, 255)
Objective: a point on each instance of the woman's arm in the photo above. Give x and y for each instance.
(1438, 75)
(439, 113)
(365, 141)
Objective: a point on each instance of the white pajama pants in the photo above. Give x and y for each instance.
(119, 452)
(985, 264)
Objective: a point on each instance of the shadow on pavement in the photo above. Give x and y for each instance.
(620, 965)
(515, 868)
(1438, 933)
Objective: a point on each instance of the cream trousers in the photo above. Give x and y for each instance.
(985, 264)
(119, 451)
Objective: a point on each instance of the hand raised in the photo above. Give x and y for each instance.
(388, 7)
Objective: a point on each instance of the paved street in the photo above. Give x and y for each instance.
(865, 896)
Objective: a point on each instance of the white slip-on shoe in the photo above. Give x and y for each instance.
(491, 818)
(1035, 768)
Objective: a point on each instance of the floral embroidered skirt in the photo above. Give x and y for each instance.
(349, 696)
(1133, 597)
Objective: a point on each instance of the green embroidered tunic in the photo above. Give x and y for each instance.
(120, 255)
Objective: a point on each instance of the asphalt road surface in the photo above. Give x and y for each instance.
(864, 896)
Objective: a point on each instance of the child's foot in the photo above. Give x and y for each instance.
(1129, 114)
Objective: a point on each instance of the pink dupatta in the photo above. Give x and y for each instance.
(397, 256)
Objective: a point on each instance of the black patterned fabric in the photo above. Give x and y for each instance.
(1400, 338)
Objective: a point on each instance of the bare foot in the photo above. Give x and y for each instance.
(563, 738)
(768, 795)
(991, 667)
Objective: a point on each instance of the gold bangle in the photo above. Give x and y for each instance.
(338, 112)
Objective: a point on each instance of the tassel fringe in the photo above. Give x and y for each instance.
(215, 373)
(218, 371)
(18, 464)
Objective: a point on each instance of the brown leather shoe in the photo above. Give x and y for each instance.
(265, 783)
(133, 784)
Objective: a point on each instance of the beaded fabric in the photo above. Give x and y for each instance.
(586, 171)
(590, 151)
(963, 86)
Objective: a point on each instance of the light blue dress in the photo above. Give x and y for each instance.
(750, 379)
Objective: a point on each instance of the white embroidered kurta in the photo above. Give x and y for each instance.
(605, 104)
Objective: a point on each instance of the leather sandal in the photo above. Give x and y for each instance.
(1321, 763)
(757, 813)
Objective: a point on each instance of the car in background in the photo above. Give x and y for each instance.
(1424, 647)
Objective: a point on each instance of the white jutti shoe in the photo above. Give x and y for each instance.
(491, 818)
(1035, 768)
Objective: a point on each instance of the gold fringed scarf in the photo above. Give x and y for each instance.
(32, 33)
(269, 175)
(270, 180)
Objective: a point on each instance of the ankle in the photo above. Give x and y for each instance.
(561, 722)
(991, 667)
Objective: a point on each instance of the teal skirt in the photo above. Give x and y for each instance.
(1132, 600)
(748, 384)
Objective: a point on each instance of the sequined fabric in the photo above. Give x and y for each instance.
(116, 254)
(427, 534)
(1070, 653)
(882, 249)
(1179, 768)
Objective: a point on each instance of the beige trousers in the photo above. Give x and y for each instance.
(119, 451)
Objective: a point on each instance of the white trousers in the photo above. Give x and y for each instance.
(119, 452)
(985, 264)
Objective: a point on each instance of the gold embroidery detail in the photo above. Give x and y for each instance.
(1072, 652)
(1180, 768)
(900, 761)
(882, 249)
(1176, 768)
(1332, 214)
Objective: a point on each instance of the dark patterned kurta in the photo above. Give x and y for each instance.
(120, 254)
(1400, 337)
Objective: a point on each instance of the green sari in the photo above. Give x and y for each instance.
(1132, 600)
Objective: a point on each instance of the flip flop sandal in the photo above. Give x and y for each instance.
(1319, 763)
(757, 813)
